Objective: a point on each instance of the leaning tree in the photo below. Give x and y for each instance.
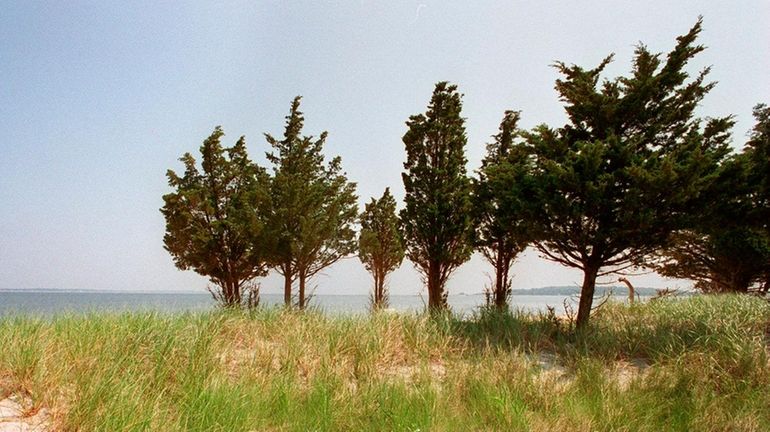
(628, 169)
(380, 244)
(215, 219)
(436, 219)
(314, 207)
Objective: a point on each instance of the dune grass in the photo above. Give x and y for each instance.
(699, 363)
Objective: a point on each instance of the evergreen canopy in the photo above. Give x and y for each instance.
(436, 220)
(629, 168)
(314, 206)
(215, 218)
(728, 248)
(380, 243)
(502, 228)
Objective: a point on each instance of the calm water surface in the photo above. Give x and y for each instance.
(57, 302)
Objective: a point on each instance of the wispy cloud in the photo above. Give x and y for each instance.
(417, 12)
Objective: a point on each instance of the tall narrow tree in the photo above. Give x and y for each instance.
(502, 231)
(314, 207)
(629, 168)
(215, 219)
(437, 222)
(380, 244)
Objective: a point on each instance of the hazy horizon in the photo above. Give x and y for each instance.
(98, 101)
(280, 293)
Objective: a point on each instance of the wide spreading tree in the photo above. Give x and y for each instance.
(380, 244)
(628, 169)
(728, 248)
(502, 231)
(436, 219)
(719, 260)
(215, 219)
(314, 207)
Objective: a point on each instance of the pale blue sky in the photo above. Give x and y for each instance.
(99, 98)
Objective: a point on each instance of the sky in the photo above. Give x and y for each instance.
(99, 98)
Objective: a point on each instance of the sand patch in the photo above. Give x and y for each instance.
(18, 414)
(624, 372)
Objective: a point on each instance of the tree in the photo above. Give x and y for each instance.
(728, 249)
(436, 220)
(380, 243)
(215, 219)
(724, 260)
(628, 169)
(757, 153)
(314, 207)
(502, 231)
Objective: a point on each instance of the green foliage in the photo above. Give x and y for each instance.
(215, 218)
(502, 230)
(720, 259)
(757, 153)
(629, 168)
(436, 220)
(314, 206)
(380, 243)
(728, 248)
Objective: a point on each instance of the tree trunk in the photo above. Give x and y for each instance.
(378, 289)
(765, 286)
(287, 276)
(236, 293)
(301, 301)
(498, 280)
(376, 295)
(587, 295)
(500, 286)
(631, 292)
(225, 298)
(739, 282)
(382, 288)
(228, 293)
(435, 290)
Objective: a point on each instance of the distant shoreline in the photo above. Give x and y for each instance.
(541, 291)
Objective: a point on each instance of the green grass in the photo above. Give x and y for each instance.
(704, 366)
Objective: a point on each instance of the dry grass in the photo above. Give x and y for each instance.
(694, 364)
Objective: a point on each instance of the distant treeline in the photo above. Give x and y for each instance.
(633, 180)
(618, 290)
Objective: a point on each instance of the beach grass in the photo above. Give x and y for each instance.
(697, 363)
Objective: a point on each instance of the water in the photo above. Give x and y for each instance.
(48, 303)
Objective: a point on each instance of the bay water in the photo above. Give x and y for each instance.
(53, 302)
